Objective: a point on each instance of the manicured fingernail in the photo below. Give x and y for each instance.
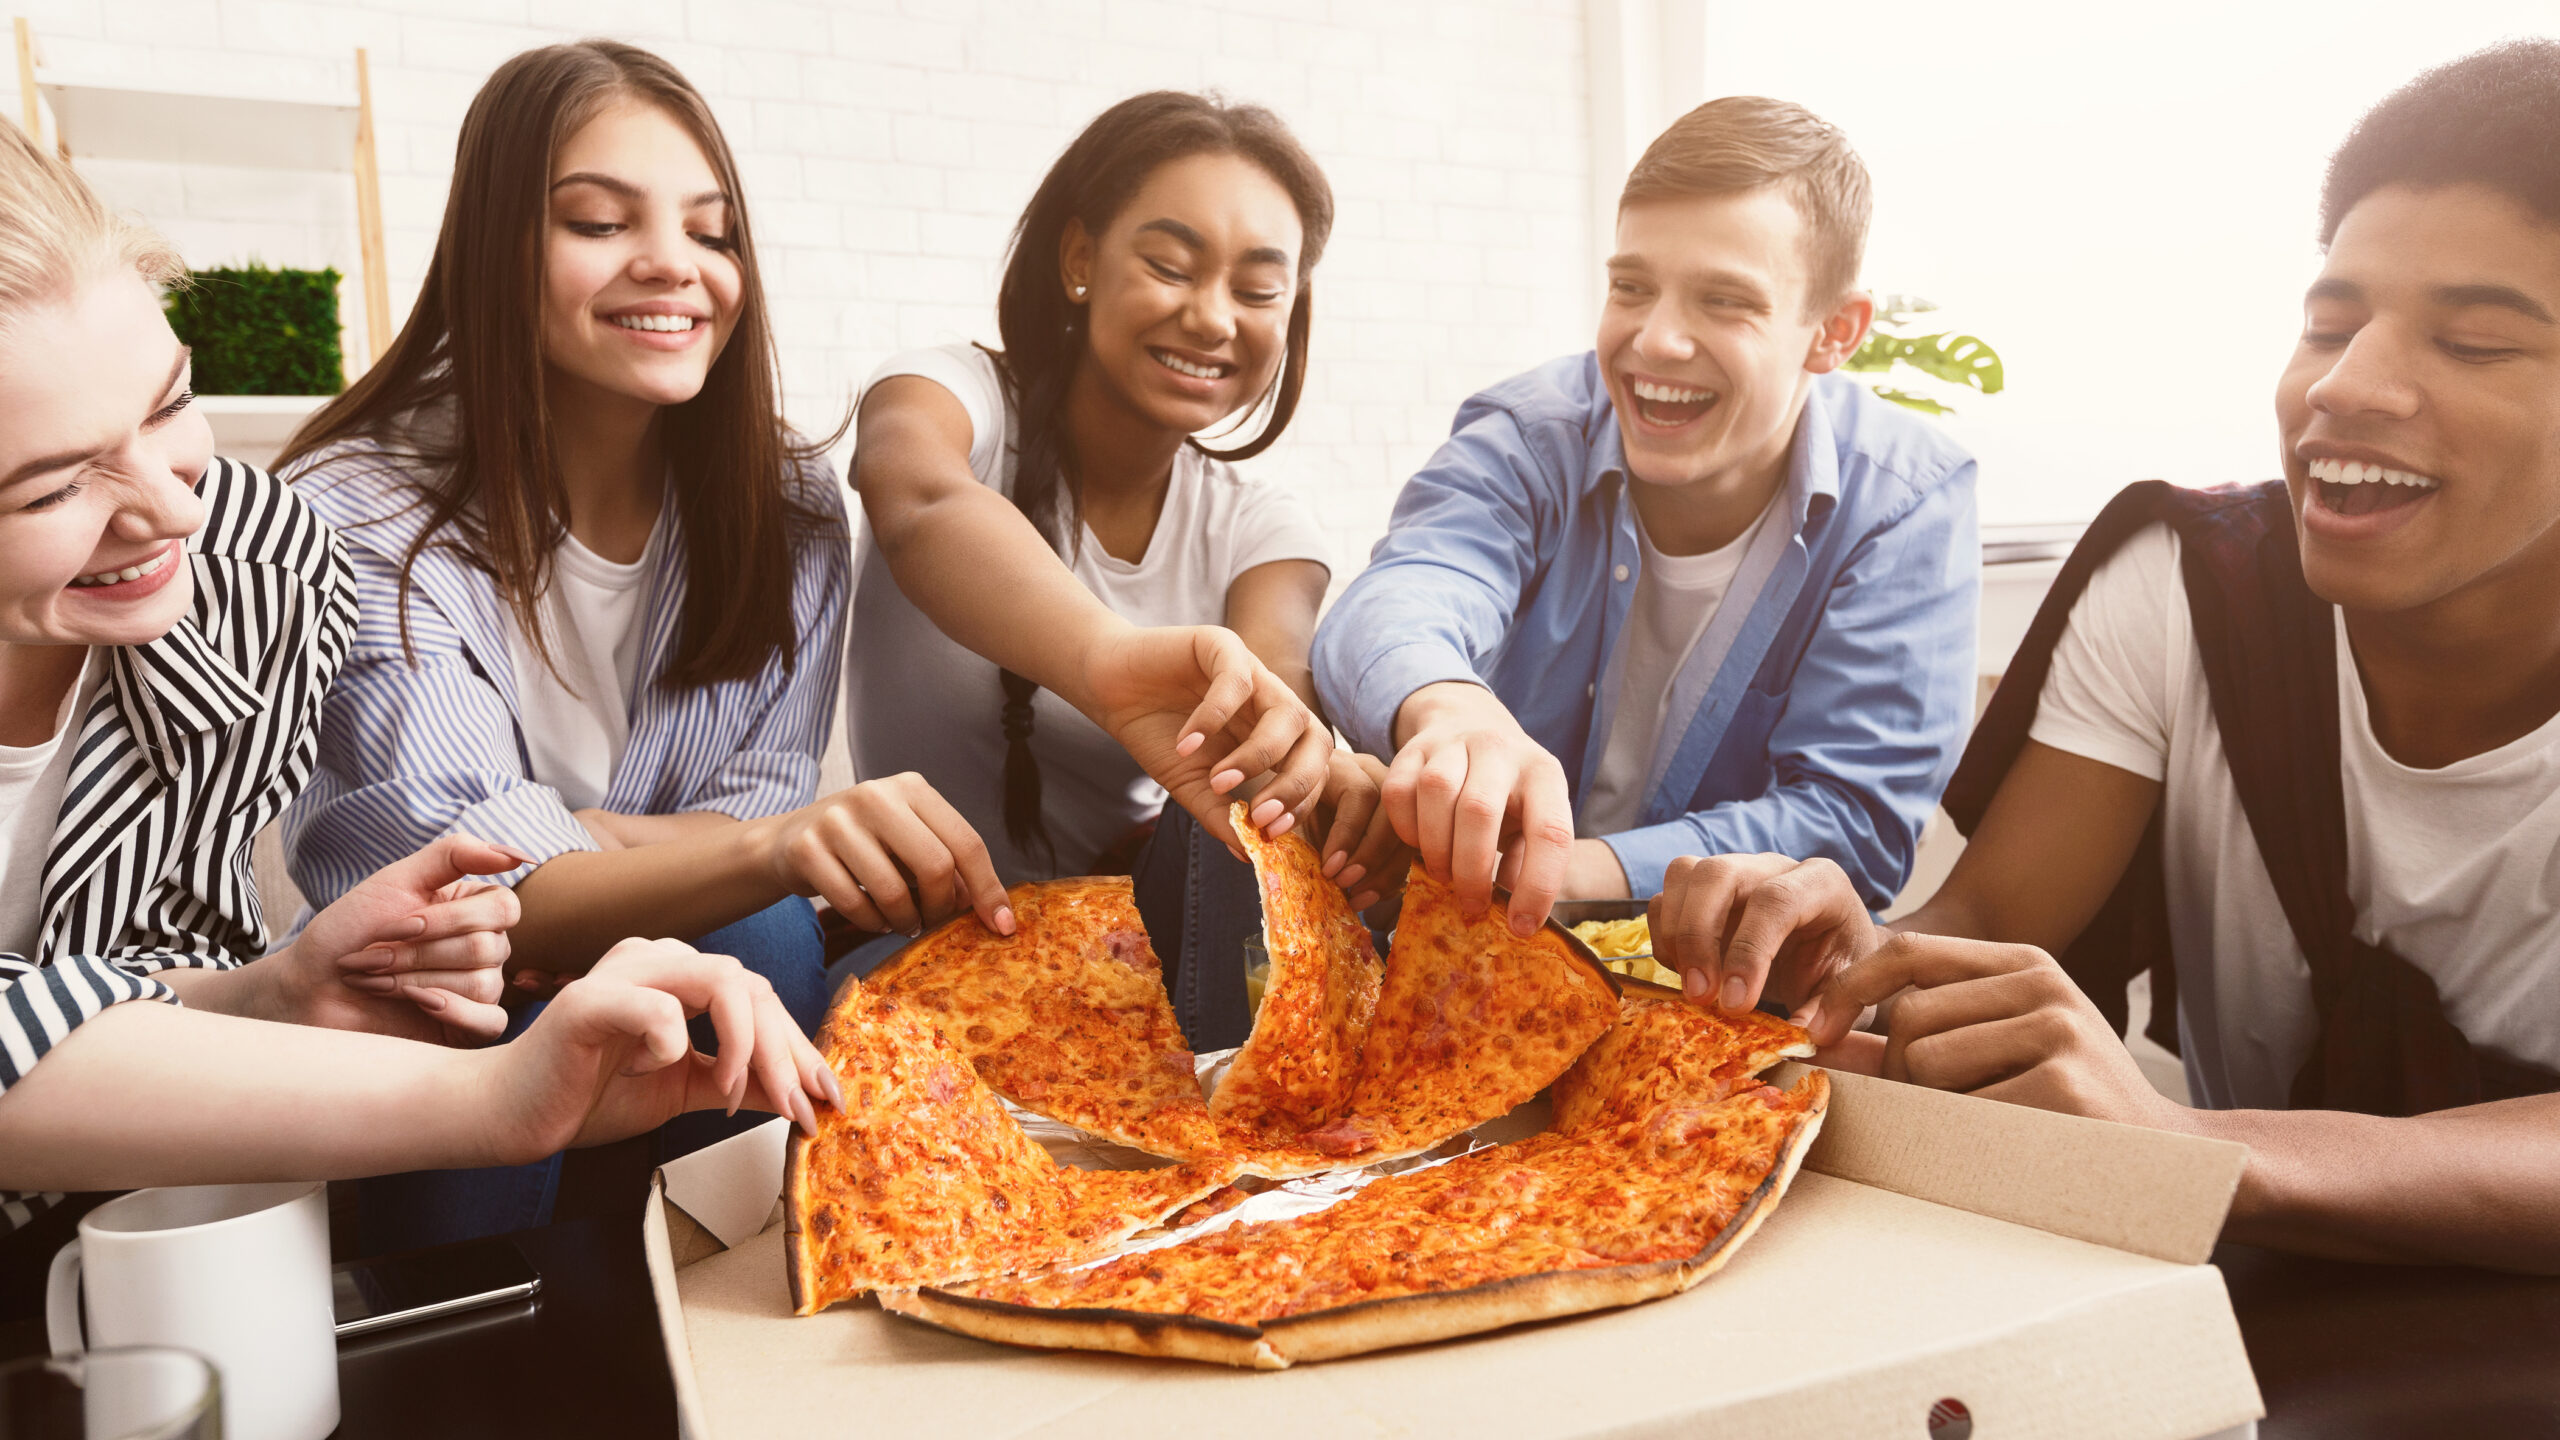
(802, 1112)
(1693, 983)
(1287, 824)
(1004, 919)
(1266, 812)
(1226, 780)
(1350, 875)
(1523, 926)
(1190, 742)
(409, 929)
(373, 984)
(1734, 990)
(376, 959)
(515, 854)
(835, 1091)
(1333, 862)
(430, 1000)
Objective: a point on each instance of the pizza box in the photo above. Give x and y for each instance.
(1943, 1266)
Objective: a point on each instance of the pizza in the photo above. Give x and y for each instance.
(1610, 1213)
(1297, 1070)
(1664, 1051)
(1067, 1016)
(922, 1178)
(1472, 1021)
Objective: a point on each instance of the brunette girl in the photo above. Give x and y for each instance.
(1035, 503)
(168, 622)
(603, 585)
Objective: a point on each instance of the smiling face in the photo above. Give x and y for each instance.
(2421, 411)
(1705, 341)
(1187, 291)
(99, 456)
(640, 287)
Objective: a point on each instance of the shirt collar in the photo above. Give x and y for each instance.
(178, 686)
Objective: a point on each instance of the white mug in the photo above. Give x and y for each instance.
(236, 1273)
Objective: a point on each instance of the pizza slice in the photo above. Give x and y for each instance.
(1558, 1224)
(923, 1179)
(1472, 1021)
(1296, 1072)
(1067, 1016)
(1664, 1051)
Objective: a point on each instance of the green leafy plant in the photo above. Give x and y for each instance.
(1965, 361)
(257, 330)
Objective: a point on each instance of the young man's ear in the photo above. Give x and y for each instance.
(1841, 333)
(1075, 260)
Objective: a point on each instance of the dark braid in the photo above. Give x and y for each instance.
(1044, 337)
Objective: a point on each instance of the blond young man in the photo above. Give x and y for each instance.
(1689, 592)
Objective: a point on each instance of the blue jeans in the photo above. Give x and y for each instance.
(1199, 903)
(437, 1207)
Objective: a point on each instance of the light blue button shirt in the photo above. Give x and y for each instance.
(1822, 711)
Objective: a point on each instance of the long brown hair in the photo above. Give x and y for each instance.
(1045, 340)
(475, 341)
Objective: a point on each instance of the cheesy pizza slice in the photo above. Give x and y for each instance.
(923, 1179)
(1296, 1072)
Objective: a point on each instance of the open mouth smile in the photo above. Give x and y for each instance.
(133, 581)
(2350, 487)
(1665, 406)
(1191, 368)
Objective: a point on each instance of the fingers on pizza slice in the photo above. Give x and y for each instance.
(1067, 1016)
(1295, 1073)
(923, 1179)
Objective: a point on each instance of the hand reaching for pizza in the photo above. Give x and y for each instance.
(1361, 850)
(1999, 1021)
(1736, 925)
(609, 1057)
(1198, 712)
(889, 854)
(415, 950)
(1476, 797)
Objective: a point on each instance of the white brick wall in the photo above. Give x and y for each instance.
(887, 147)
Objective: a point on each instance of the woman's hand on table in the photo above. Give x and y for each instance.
(610, 1056)
(417, 950)
(1735, 926)
(1198, 712)
(889, 855)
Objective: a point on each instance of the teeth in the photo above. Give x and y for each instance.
(2353, 472)
(1668, 394)
(654, 322)
(130, 572)
(1181, 366)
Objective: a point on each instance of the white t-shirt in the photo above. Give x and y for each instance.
(32, 778)
(916, 700)
(577, 721)
(1676, 598)
(2453, 869)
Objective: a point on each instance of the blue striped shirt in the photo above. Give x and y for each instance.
(419, 744)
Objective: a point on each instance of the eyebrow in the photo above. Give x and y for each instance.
(46, 464)
(1258, 255)
(629, 191)
(2504, 297)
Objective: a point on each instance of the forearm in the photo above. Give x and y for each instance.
(1041, 623)
(250, 991)
(154, 1094)
(579, 904)
(2475, 1186)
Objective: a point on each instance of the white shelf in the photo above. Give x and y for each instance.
(254, 427)
(102, 120)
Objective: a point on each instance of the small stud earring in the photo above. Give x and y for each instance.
(1079, 292)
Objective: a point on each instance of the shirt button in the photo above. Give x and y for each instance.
(1621, 573)
(1591, 691)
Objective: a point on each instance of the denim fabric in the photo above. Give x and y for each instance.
(438, 1207)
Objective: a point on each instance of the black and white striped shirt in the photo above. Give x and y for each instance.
(194, 742)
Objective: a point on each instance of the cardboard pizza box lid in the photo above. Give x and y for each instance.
(2042, 1271)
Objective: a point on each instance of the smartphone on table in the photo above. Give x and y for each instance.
(377, 1294)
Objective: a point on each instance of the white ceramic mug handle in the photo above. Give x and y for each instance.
(62, 1302)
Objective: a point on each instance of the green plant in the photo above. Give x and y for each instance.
(1953, 359)
(257, 330)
